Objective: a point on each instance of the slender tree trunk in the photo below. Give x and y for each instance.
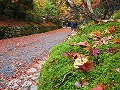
(88, 4)
(75, 9)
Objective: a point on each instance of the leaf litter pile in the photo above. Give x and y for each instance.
(18, 68)
(99, 46)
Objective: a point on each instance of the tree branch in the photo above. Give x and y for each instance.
(63, 80)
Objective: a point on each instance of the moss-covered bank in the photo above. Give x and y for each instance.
(57, 66)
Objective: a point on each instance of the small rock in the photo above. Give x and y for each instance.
(33, 87)
(35, 78)
(27, 84)
(14, 81)
(30, 76)
(32, 70)
(37, 74)
(15, 86)
(21, 77)
(38, 66)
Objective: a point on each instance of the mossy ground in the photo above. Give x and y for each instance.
(57, 66)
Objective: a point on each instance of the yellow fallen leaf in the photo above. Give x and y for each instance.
(80, 61)
(73, 43)
(96, 33)
(115, 40)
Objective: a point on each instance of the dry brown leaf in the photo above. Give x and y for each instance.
(86, 66)
(98, 87)
(51, 62)
(87, 48)
(83, 44)
(81, 83)
(115, 40)
(73, 43)
(110, 30)
(76, 55)
(70, 55)
(117, 69)
(96, 33)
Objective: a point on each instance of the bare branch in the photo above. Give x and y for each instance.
(63, 80)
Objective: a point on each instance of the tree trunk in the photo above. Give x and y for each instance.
(88, 4)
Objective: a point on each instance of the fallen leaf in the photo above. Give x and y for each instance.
(110, 37)
(73, 43)
(70, 55)
(115, 40)
(64, 54)
(86, 48)
(95, 39)
(117, 69)
(51, 62)
(94, 52)
(75, 55)
(83, 44)
(98, 87)
(110, 50)
(95, 43)
(90, 36)
(2, 76)
(80, 60)
(96, 33)
(77, 84)
(86, 66)
(81, 83)
(110, 30)
(73, 33)
(103, 40)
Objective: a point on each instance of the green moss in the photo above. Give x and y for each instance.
(57, 66)
(116, 15)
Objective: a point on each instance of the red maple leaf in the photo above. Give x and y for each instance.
(86, 66)
(111, 30)
(98, 87)
(83, 44)
(94, 52)
(109, 50)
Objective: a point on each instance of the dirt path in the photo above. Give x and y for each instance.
(21, 58)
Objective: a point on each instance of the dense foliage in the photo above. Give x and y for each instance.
(12, 9)
(56, 10)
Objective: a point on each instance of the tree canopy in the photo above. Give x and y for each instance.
(15, 8)
(59, 9)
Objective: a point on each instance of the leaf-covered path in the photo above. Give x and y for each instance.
(21, 58)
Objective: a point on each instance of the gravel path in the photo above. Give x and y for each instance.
(21, 58)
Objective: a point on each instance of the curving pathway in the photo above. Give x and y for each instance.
(21, 58)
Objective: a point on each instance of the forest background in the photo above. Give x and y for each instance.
(57, 10)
